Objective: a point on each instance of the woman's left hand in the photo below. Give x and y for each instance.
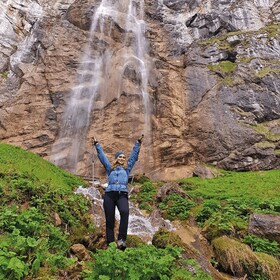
(140, 139)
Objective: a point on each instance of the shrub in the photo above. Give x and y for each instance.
(145, 262)
(176, 207)
(263, 245)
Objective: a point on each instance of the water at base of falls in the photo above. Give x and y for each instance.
(139, 224)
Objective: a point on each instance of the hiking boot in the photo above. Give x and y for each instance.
(121, 244)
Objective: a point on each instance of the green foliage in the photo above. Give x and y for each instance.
(228, 200)
(141, 263)
(32, 191)
(176, 207)
(145, 196)
(144, 263)
(208, 208)
(19, 162)
(263, 245)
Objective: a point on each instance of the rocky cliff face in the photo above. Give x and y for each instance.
(199, 78)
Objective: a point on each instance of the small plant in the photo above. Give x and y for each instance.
(145, 196)
(263, 245)
(207, 209)
(176, 207)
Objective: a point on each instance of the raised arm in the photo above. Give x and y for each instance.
(134, 154)
(102, 157)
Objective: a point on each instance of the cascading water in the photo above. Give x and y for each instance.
(103, 65)
(139, 224)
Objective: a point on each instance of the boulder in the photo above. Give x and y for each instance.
(265, 225)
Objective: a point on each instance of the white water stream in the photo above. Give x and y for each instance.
(139, 224)
(102, 66)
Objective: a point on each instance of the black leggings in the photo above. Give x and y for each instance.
(111, 200)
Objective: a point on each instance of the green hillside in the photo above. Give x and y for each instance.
(33, 245)
(32, 192)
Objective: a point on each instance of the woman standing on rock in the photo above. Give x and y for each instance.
(116, 193)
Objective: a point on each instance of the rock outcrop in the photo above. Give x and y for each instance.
(211, 96)
(265, 225)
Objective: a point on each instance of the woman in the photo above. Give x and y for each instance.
(116, 193)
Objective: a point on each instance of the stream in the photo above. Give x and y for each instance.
(145, 226)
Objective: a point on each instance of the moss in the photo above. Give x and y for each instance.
(265, 144)
(245, 59)
(269, 266)
(264, 130)
(272, 30)
(4, 74)
(267, 71)
(134, 241)
(231, 81)
(223, 67)
(164, 238)
(234, 257)
(277, 152)
(238, 259)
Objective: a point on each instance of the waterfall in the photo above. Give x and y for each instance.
(139, 224)
(104, 63)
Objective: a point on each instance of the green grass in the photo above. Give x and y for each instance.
(225, 203)
(15, 159)
(261, 185)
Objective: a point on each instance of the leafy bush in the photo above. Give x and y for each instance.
(176, 207)
(145, 196)
(143, 263)
(263, 245)
(146, 262)
(207, 209)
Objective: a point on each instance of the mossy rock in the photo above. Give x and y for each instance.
(269, 266)
(134, 241)
(163, 238)
(235, 257)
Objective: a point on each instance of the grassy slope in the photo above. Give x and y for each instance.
(254, 186)
(15, 159)
(32, 191)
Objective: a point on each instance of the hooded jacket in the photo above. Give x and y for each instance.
(118, 177)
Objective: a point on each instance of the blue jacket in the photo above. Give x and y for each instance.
(118, 177)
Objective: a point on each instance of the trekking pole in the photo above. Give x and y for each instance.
(92, 161)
